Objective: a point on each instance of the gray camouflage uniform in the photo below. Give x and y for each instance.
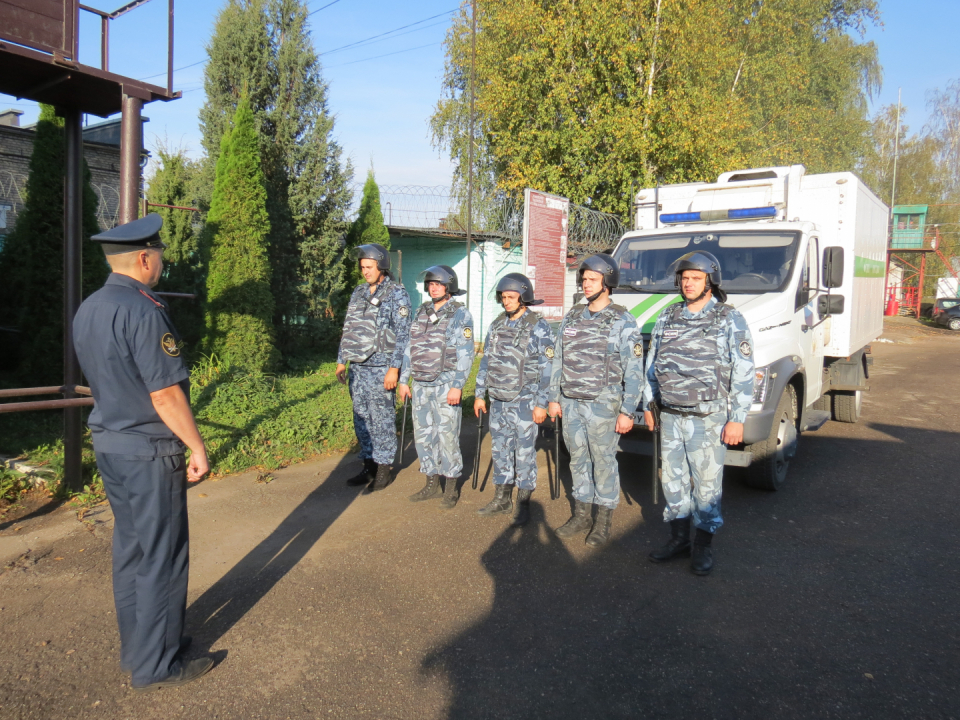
(700, 369)
(375, 335)
(597, 374)
(515, 370)
(439, 357)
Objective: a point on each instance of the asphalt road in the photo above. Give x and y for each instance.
(834, 597)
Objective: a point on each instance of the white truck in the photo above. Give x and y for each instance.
(803, 258)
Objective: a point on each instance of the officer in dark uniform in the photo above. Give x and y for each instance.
(141, 421)
(375, 335)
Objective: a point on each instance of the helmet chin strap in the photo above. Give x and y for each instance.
(446, 296)
(706, 289)
(591, 298)
(515, 313)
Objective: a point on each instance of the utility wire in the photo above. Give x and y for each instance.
(322, 8)
(365, 43)
(198, 62)
(388, 32)
(377, 57)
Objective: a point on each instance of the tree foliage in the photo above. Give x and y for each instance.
(239, 307)
(174, 183)
(31, 262)
(586, 99)
(262, 48)
(368, 227)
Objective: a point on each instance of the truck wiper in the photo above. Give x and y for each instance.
(631, 287)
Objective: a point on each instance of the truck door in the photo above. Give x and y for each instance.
(811, 333)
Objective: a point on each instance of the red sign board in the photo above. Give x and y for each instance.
(46, 25)
(545, 222)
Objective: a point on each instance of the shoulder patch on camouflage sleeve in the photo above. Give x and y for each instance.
(404, 311)
(467, 333)
(549, 352)
(638, 350)
(745, 349)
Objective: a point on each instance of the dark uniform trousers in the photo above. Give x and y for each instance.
(150, 558)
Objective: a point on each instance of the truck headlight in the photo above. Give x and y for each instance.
(760, 382)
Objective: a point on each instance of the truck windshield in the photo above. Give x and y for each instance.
(750, 262)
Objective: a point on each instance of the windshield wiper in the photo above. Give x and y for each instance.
(631, 287)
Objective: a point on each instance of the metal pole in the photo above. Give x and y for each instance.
(131, 143)
(170, 47)
(105, 42)
(72, 253)
(896, 155)
(473, 63)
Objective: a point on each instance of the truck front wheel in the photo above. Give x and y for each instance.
(771, 457)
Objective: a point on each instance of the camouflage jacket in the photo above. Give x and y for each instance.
(734, 352)
(388, 322)
(459, 339)
(539, 351)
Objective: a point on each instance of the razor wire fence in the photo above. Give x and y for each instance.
(434, 208)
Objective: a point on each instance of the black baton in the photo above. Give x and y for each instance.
(476, 459)
(555, 487)
(655, 411)
(403, 432)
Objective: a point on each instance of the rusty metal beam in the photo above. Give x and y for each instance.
(71, 405)
(46, 390)
(72, 263)
(131, 144)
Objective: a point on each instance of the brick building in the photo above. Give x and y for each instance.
(101, 150)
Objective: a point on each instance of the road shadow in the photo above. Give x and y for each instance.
(834, 597)
(228, 600)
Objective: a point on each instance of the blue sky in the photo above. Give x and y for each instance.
(383, 92)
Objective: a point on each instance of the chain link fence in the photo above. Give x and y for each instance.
(433, 208)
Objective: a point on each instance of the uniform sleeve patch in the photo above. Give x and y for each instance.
(468, 333)
(745, 349)
(549, 352)
(169, 345)
(638, 350)
(404, 311)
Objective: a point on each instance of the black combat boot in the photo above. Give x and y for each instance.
(502, 502)
(677, 545)
(384, 477)
(450, 493)
(701, 562)
(601, 527)
(430, 490)
(522, 516)
(579, 522)
(365, 476)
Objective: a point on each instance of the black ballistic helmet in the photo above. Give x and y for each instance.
(373, 251)
(704, 262)
(518, 283)
(603, 264)
(442, 274)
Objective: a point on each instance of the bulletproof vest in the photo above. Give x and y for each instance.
(362, 334)
(588, 364)
(507, 369)
(690, 367)
(429, 354)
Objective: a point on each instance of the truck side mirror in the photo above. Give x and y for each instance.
(832, 267)
(830, 305)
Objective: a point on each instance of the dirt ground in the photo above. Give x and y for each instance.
(834, 597)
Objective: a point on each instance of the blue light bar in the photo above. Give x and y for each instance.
(709, 215)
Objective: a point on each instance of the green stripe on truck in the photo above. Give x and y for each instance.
(867, 268)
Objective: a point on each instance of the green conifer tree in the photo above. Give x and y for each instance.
(31, 261)
(172, 183)
(369, 226)
(263, 48)
(239, 307)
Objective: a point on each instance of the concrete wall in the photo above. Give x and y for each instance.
(488, 263)
(16, 147)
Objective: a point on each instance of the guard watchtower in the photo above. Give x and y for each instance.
(909, 223)
(39, 60)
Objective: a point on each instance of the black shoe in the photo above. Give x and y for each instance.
(677, 545)
(450, 493)
(430, 490)
(522, 516)
(601, 528)
(384, 477)
(579, 522)
(701, 562)
(365, 476)
(185, 642)
(188, 672)
(502, 502)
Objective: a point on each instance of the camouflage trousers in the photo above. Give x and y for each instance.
(589, 430)
(513, 435)
(374, 414)
(692, 457)
(436, 430)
